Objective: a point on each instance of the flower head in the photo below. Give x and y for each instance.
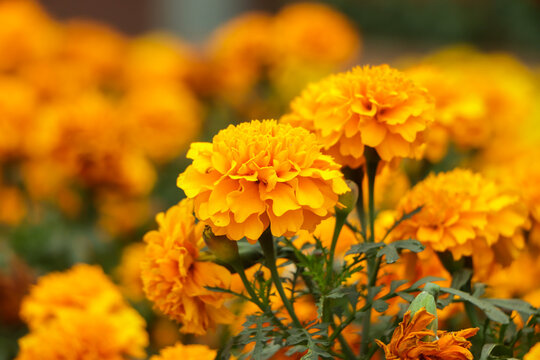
(466, 214)
(175, 281)
(186, 352)
(407, 341)
(79, 335)
(261, 174)
(83, 288)
(374, 106)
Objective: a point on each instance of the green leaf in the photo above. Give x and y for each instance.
(501, 351)
(490, 310)
(460, 278)
(363, 248)
(396, 284)
(424, 280)
(409, 244)
(513, 304)
(380, 305)
(390, 253)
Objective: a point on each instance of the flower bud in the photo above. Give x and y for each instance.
(347, 201)
(225, 250)
(427, 299)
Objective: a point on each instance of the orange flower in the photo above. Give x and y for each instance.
(175, 281)
(407, 341)
(83, 288)
(128, 272)
(79, 335)
(467, 215)
(186, 352)
(374, 106)
(310, 32)
(261, 174)
(534, 353)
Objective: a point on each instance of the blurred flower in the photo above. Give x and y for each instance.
(239, 51)
(156, 58)
(186, 352)
(175, 281)
(314, 33)
(261, 174)
(534, 353)
(374, 106)
(15, 279)
(12, 205)
(81, 335)
(84, 288)
(324, 232)
(120, 214)
(27, 33)
(466, 214)
(128, 271)
(163, 119)
(407, 341)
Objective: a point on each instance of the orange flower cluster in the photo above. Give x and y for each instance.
(466, 214)
(69, 313)
(408, 341)
(261, 174)
(85, 107)
(305, 39)
(175, 281)
(480, 98)
(376, 106)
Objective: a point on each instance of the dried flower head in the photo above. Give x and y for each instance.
(407, 341)
(373, 106)
(261, 174)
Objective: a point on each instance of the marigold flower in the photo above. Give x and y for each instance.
(187, 352)
(261, 174)
(373, 106)
(310, 32)
(466, 214)
(81, 335)
(407, 341)
(84, 288)
(175, 281)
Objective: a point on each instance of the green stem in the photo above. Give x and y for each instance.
(357, 175)
(340, 221)
(267, 245)
(372, 160)
(347, 351)
(254, 297)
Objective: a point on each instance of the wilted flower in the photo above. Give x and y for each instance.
(374, 106)
(186, 352)
(175, 281)
(407, 341)
(261, 174)
(466, 214)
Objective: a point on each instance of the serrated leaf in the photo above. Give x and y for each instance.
(363, 248)
(490, 310)
(390, 253)
(513, 304)
(409, 244)
(380, 305)
(426, 279)
(396, 284)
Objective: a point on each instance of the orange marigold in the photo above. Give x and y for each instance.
(83, 288)
(374, 106)
(175, 281)
(79, 335)
(407, 343)
(186, 352)
(534, 353)
(261, 174)
(466, 214)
